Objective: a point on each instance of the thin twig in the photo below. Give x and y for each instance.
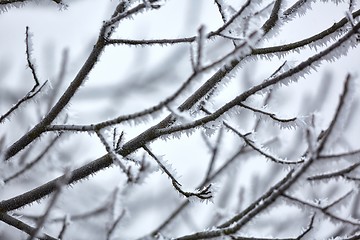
(203, 193)
(6, 218)
(271, 115)
(340, 106)
(36, 87)
(214, 154)
(53, 200)
(114, 225)
(339, 173)
(324, 210)
(113, 156)
(257, 149)
(32, 163)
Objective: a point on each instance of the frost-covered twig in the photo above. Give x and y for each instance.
(214, 154)
(200, 45)
(232, 19)
(295, 8)
(271, 115)
(341, 173)
(146, 42)
(113, 156)
(16, 223)
(340, 155)
(259, 150)
(29, 45)
(308, 229)
(36, 88)
(118, 16)
(203, 193)
(315, 40)
(27, 97)
(32, 163)
(114, 225)
(117, 143)
(219, 4)
(40, 223)
(343, 103)
(324, 210)
(274, 17)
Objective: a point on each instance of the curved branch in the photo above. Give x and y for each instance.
(89, 64)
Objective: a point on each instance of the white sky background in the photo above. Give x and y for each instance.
(76, 29)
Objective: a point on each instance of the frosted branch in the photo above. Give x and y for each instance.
(145, 42)
(36, 88)
(200, 45)
(354, 153)
(318, 39)
(113, 155)
(41, 221)
(214, 154)
(118, 16)
(341, 173)
(29, 46)
(203, 193)
(336, 125)
(6, 218)
(259, 150)
(232, 19)
(271, 115)
(33, 162)
(324, 210)
(273, 19)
